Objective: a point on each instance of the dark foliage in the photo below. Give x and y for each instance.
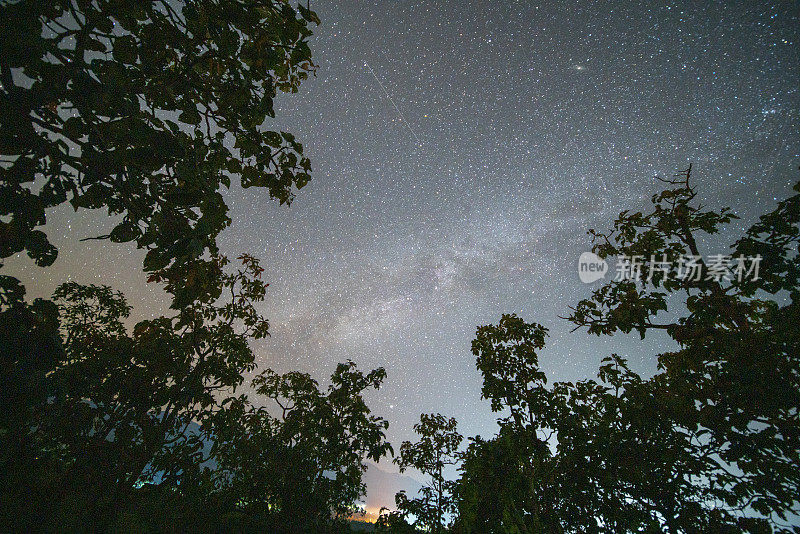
(146, 109)
(107, 429)
(711, 443)
(436, 449)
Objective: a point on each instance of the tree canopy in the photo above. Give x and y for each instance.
(119, 420)
(436, 449)
(147, 110)
(711, 442)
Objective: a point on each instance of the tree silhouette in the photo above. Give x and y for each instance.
(710, 443)
(146, 109)
(127, 420)
(517, 464)
(118, 407)
(299, 461)
(436, 448)
(734, 379)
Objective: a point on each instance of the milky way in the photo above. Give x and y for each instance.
(524, 127)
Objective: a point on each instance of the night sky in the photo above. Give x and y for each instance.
(460, 152)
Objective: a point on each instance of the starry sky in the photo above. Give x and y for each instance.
(460, 152)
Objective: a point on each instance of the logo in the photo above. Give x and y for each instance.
(591, 267)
